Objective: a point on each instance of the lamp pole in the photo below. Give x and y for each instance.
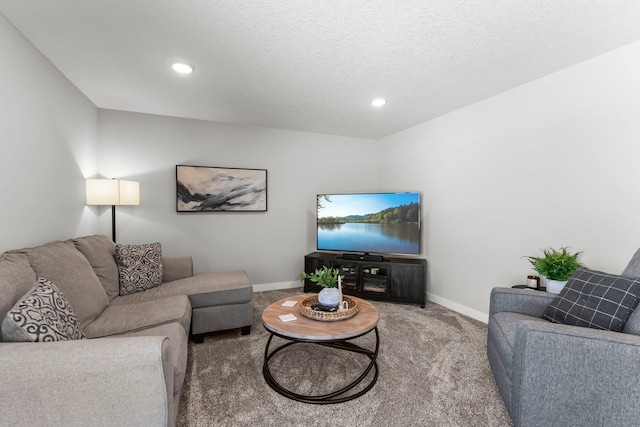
(113, 223)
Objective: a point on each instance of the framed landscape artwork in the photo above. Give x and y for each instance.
(214, 189)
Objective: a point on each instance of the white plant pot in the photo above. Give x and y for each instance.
(329, 297)
(555, 286)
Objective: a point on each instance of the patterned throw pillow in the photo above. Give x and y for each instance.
(43, 314)
(139, 267)
(595, 300)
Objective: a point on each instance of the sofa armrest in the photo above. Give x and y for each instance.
(525, 301)
(177, 267)
(569, 375)
(101, 382)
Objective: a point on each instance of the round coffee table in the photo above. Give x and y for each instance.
(329, 334)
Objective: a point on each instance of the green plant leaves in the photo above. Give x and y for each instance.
(556, 264)
(325, 277)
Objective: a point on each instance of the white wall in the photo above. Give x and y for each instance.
(551, 163)
(269, 246)
(48, 145)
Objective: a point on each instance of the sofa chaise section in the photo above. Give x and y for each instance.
(219, 300)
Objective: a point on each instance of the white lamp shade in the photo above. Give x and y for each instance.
(112, 192)
(129, 192)
(102, 192)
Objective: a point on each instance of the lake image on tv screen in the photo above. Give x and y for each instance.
(369, 223)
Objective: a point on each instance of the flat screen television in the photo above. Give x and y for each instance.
(369, 223)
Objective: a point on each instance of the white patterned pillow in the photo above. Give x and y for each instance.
(139, 267)
(43, 314)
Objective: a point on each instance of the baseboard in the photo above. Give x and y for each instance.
(459, 308)
(275, 286)
(462, 309)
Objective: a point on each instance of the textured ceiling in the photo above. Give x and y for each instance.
(314, 65)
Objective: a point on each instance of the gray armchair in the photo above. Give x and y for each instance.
(551, 374)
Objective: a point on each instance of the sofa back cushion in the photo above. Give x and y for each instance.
(100, 251)
(64, 265)
(633, 268)
(16, 278)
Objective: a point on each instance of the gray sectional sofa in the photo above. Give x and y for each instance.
(130, 368)
(561, 374)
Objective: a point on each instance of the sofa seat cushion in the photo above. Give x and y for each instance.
(64, 265)
(179, 343)
(204, 290)
(100, 251)
(118, 319)
(43, 314)
(502, 331)
(633, 323)
(594, 299)
(16, 279)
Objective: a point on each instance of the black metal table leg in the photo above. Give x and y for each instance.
(335, 396)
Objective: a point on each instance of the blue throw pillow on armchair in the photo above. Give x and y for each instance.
(594, 299)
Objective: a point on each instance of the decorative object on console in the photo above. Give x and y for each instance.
(556, 266)
(533, 282)
(139, 267)
(204, 188)
(328, 279)
(43, 314)
(114, 192)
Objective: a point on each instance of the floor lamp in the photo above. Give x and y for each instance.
(112, 192)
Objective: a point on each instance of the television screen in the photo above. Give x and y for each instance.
(384, 223)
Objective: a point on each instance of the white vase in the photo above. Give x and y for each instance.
(555, 286)
(329, 297)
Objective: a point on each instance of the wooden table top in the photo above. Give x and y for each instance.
(303, 328)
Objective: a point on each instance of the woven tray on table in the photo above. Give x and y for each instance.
(327, 316)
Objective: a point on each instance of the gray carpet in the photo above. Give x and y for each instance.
(433, 372)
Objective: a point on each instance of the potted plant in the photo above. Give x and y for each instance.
(327, 278)
(556, 266)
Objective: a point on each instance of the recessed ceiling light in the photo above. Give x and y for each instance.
(182, 67)
(378, 102)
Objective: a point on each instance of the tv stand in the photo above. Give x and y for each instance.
(373, 276)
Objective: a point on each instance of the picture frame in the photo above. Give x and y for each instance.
(220, 189)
